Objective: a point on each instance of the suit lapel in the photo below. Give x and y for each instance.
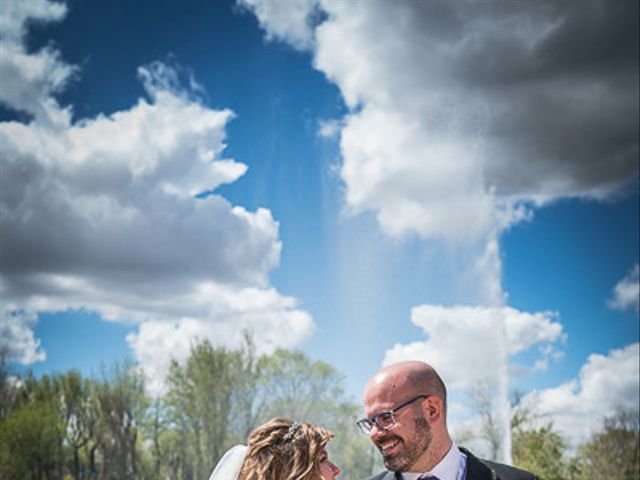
(476, 470)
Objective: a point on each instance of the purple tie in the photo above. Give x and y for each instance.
(428, 477)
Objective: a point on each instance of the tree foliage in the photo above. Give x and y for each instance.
(490, 430)
(206, 398)
(121, 407)
(540, 450)
(614, 452)
(29, 442)
(611, 453)
(69, 427)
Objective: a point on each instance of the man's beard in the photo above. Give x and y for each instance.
(413, 449)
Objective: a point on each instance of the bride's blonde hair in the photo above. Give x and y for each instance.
(285, 450)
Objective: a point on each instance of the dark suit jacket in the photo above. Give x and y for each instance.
(478, 470)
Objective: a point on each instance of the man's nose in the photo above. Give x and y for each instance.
(336, 469)
(377, 432)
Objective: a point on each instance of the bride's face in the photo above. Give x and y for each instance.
(328, 471)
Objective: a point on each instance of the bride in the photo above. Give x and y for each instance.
(279, 450)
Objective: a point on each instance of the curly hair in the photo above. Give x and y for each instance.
(285, 450)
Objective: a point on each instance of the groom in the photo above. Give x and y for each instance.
(406, 406)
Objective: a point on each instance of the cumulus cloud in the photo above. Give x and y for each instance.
(102, 215)
(119, 192)
(17, 339)
(289, 21)
(488, 335)
(605, 382)
(29, 79)
(626, 293)
(222, 316)
(462, 110)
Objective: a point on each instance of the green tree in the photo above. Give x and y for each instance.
(540, 451)
(92, 419)
(248, 404)
(29, 442)
(75, 410)
(490, 429)
(293, 386)
(155, 426)
(122, 405)
(614, 452)
(207, 398)
(8, 387)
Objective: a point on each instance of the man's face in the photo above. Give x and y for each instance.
(403, 445)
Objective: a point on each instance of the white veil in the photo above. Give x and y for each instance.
(228, 468)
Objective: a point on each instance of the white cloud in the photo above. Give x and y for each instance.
(220, 315)
(287, 21)
(547, 352)
(15, 14)
(415, 181)
(626, 293)
(329, 128)
(578, 407)
(442, 140)
(16, 336)
(487, 335)
(120, 189)
(100, 215)
(30, 79)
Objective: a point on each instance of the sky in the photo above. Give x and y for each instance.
(367, 182)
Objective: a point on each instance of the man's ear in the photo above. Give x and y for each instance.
(432, 408)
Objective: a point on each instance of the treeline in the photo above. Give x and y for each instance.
(69, 427)
(613, 453)
(65, 426)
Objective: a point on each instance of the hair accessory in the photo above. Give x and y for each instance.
(295, 426)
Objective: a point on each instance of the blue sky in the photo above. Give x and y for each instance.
(363, 181)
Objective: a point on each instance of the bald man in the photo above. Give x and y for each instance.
(406, 407)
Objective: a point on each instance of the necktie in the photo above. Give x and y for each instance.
(428, 477)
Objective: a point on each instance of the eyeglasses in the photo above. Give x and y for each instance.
(384, 420)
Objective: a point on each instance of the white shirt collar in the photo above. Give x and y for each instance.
(451, 467)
